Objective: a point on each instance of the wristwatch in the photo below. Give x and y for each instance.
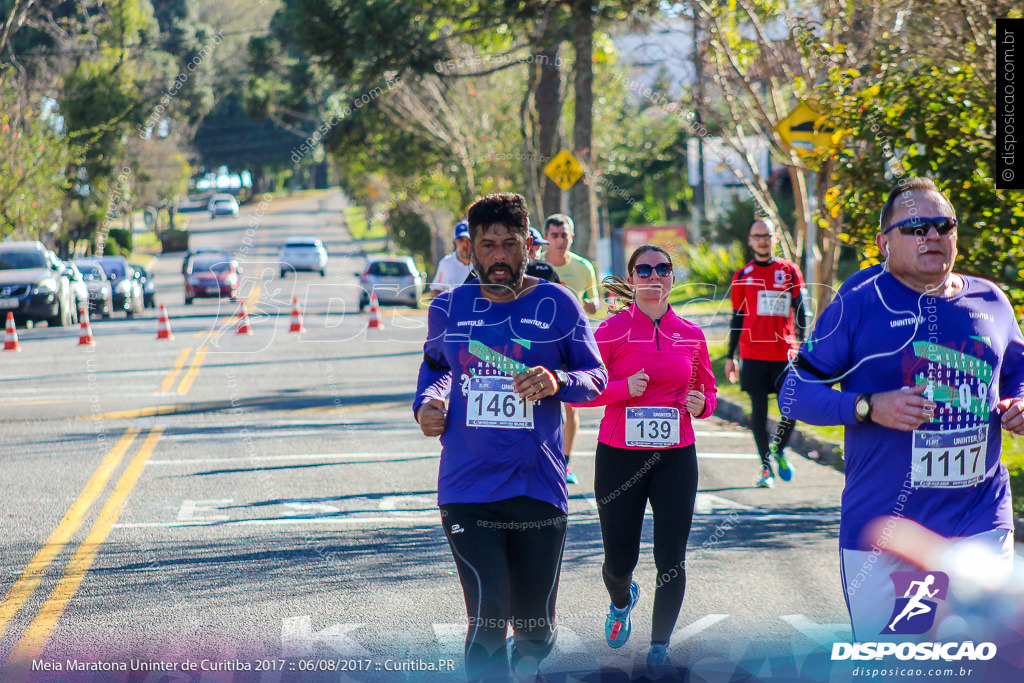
(561, 378)
(862, 408)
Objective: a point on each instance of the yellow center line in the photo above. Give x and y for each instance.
(253, 298)
(38, 632)
(193, 370)
(37, 567)
(172, 374)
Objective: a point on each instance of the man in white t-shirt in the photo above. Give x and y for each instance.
(454, 268)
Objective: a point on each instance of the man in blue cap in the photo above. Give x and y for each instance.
(539, 267)
(456, 266)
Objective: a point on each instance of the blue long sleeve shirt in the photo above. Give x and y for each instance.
(969, 352)
(474, 347)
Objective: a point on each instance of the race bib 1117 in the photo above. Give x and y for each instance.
(949, 459)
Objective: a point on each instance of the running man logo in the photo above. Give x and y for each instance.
(914, 613)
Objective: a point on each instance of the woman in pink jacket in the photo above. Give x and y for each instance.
(659, 378)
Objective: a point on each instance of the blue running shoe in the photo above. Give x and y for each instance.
(658, 663)
(570, 476)
(767, 479)
(785, 469)
(618, 624)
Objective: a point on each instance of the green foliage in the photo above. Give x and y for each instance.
(122, 237)
(408, 230)
(927, 113)
(112, 248)
(33, 158)
(712, 266)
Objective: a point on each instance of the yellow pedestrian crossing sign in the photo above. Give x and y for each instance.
(805, 131)
(564, 170)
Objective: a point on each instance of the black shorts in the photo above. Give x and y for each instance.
(762, 376)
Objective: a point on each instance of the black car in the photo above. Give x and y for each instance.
(127, 289)
(148, 286)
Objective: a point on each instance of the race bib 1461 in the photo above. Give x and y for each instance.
(491, 402)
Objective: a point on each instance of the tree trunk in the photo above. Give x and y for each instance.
(582, 200)
(549, 108)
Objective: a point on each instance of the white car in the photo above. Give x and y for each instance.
(303, 253)
(394, 279)
(223, 205)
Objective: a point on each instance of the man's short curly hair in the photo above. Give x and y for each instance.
(506, 208)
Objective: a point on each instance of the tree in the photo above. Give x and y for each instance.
(922, 104)
(34, 154)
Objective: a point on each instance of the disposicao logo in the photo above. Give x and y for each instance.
(914, 612)
(917, 596)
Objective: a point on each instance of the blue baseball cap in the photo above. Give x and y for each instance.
(461, 229)
(538, 239)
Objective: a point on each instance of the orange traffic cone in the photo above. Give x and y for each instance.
(85, 334)
(374, 313)
(164, 329)
(11, 338)
(296, 317)
(243, 321)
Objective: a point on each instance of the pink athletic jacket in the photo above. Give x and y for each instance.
(671, 351)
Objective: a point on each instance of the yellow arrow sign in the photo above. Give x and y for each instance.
(564, 170)
(805, 131)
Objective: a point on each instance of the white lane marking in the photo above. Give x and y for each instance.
(722, 434)
(704, 623)
(707, 503)
(452, 638)
(591, 500)
(297, 456)
(196, 511)
(702, 433)
(277, 434)
(310, 508)
(822, 634)
(431, 517)
(728, 456)
(298, 638)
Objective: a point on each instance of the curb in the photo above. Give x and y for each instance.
(828, 453)
(822, 452)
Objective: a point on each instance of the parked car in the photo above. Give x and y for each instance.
(303, 253)
(148, 286)
(220, 251)
(79, 289)
(210, 275)
(101, 294)
(223, 205)
(395, 279)
(33, 284)
(127, 294)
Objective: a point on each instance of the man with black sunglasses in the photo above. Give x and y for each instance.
(769, 320)
(931, 368)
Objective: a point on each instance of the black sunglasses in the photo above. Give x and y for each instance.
(644, 270)
(919, 227)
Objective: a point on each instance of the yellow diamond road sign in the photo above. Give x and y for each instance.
(805, 131)
(564, 170)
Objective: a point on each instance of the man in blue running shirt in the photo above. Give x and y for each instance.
(505, 351)
(931, 369)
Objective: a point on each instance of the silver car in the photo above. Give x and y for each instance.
(303, 253)
(394, 279)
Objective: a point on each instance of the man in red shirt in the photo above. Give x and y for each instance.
(768, 323)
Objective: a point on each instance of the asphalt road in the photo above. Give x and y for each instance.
(268, 501)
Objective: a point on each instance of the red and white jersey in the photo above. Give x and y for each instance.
(766, 293)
